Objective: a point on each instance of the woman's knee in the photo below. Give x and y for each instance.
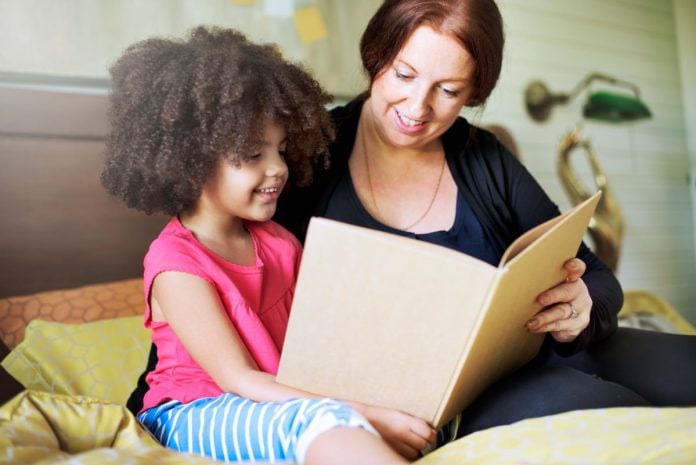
(541, 391)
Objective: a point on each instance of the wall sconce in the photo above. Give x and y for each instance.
(601, 105)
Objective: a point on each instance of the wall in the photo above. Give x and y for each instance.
(83, 37)
(685, 17)
(558, 41)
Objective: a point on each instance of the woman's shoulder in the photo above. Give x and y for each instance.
(475, 146)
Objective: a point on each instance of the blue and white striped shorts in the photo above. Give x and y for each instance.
(232, 428)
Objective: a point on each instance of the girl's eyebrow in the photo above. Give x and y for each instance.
(284, 141)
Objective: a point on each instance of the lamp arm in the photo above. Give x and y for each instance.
(587, 80)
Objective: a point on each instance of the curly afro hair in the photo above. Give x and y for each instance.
(177, 106)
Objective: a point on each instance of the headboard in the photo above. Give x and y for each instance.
(59, 227)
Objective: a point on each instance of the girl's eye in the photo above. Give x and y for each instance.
(283, 153)
(254, 157)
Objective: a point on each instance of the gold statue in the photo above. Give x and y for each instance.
(606, 226)
(642, 309)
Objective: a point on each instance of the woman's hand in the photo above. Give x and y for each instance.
(567, 307)
(406, 434)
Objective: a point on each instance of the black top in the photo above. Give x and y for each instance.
(466, 234)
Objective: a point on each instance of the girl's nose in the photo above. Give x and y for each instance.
(276, 165)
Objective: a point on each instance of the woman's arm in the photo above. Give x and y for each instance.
(591, 287)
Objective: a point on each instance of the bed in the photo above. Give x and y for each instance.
(76, 354)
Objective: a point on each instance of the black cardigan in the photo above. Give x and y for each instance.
(506, 199)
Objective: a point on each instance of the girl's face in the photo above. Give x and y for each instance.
(420, 94)
(250, 191)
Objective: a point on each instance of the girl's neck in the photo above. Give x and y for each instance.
(225, 235)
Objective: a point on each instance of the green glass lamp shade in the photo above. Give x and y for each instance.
(614, 108)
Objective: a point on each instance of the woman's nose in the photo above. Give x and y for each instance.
(419, 102)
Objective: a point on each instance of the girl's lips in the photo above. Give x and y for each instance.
(269, 194)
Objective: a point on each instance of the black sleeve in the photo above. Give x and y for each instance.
(531, 206)
(135, 401)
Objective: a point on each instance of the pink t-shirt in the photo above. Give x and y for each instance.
(257, 300)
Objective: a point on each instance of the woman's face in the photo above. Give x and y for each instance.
(420, 94)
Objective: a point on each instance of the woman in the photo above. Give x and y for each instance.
(404, 162)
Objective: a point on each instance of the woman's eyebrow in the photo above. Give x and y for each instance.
(449, 79)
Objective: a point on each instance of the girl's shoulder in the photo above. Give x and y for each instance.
(173, 237)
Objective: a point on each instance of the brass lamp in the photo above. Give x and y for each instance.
(602, 105)
(607, 225)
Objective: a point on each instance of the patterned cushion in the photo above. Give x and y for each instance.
(82, 304)
(611, 436)
(101, 359)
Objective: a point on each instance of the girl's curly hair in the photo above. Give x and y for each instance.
(179, 105)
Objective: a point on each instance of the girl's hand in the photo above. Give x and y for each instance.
(567, 306)
(406, 434)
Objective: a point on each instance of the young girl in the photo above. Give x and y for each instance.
(204, 130)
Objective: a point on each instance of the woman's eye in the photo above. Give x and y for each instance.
(450, 93)
(401, 75)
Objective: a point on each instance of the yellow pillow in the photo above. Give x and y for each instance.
(102, 359)
(42, 428)
(610, 436)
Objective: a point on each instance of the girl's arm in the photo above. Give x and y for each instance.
(192, 308)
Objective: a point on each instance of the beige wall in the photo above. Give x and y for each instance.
(83, 37)
(558, 41)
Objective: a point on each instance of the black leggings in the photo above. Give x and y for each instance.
(630, 368)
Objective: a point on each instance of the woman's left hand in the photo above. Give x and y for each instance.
(567, 307)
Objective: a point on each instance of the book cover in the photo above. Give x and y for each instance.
(401, 323)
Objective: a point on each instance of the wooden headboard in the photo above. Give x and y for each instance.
(59, 227)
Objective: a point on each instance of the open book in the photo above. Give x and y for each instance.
(396, 322)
